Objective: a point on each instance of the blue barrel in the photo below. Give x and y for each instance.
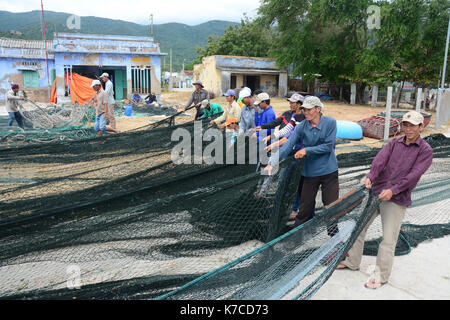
(129, 110)
(349, 130)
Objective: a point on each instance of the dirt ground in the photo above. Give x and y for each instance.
(337, 110)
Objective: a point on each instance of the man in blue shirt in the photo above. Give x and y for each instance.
(267, 115)
(320, 169)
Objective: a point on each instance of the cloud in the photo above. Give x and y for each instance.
(181, 11)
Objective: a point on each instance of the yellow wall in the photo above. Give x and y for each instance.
(209, 75)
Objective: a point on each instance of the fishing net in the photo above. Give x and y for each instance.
(65, 122)
(116, 218)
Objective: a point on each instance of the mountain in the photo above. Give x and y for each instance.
(182, 38)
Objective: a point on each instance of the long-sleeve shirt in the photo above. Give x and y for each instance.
(109, 88)
(319, 143)
(102, 102)
(12, 101)
(214, 109)
(283, 120)
(247, 118)
(398, 167)
(230, 111)
(268, 115)
(197, 97)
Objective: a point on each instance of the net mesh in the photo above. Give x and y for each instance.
(134, 225)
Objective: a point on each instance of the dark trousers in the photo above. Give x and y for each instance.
(330, 192)
(199, 113)
(17, 117)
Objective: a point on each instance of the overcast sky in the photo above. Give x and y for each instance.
(181, 11)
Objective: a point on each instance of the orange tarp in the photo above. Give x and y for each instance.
(80, 89)
(53, 96)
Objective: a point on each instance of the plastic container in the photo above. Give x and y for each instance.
(129, 110)
(349, 130)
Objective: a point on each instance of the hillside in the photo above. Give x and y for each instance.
(182, 38)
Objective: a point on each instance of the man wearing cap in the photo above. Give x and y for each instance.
(109, 89)
(12, 107)
(294, 113)
(101, 111)
(196, 98)
(318, 136)
(267, 115)
(211, 109)
(394, 173)
(247, 112)
(232, 110)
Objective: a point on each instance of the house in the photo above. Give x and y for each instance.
(133, 63)
(219, 73)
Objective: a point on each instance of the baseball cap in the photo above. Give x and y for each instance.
(105, 75)
(230, 93)
(261, 97)
(230, 121)
(311, 102)
(14, 86)
(96, 82)
(244, 93)
(205, 103)
(199, 83)
(413, 117)
(296, 97)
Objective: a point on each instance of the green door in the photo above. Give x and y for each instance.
(30, 79)
(120, 83)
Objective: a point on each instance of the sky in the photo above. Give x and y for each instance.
(164, 11)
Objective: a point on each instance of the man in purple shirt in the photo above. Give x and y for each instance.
(394, 173)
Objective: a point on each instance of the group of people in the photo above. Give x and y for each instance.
(307, 133)
(243, 112)
(149, 99)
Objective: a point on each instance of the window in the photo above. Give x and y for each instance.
(30, 79)
(141, 80)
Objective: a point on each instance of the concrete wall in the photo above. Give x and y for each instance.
(215, 73)
(11, 72)
(209, 75)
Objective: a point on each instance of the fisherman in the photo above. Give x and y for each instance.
(211, 110)
(151, 98)
(318, 136)
(394, 173)
(109, 88)
(232, 110)
(267, 115)
(101, 110)
(196, 98)
(12, 108)
(136, 98)
(247, 112)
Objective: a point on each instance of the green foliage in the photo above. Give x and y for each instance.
(250, 38)
(330, 38)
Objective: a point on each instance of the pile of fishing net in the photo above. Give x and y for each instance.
(116, 218)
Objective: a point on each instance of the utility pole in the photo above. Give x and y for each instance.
(170, 77)
(441, 90)
(151, 25)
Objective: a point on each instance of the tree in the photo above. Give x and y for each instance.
(250, 38)
(330, 39)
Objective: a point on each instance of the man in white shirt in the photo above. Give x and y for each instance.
(109, 88)
(12, 99)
